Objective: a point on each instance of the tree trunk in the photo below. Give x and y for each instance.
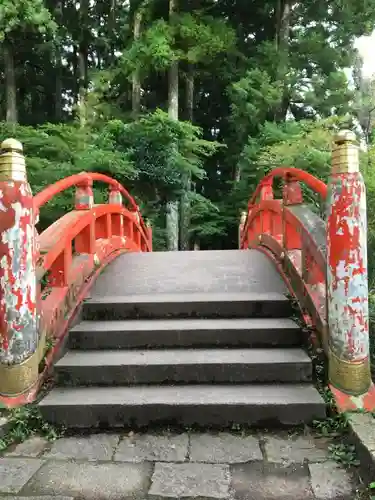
(58, 91)
(185, 199)
(136, 83)
(172, 220)
(112, 27)
(83, 63)
(82, 88)
(283, 21)
(58, 66)
(10, 85)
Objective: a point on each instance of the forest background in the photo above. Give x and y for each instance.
(188, 103)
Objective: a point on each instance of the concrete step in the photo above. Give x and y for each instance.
(183, 366)
(205, 405)
(206, 305)
(128, 334)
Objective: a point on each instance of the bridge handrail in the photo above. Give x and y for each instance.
(58, 187)
(296, 173)
(46, 195)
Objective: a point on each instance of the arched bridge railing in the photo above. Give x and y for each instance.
(44, 278)
(294, 236)
(323, 261)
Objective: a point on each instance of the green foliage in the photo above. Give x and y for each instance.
(148, 156)
(57, 151)
(24, 15)
(266, 90)
(25, 422)
(206, 219)
(191, 37)
(202, 38)
(162, 150)
(344, 454)
(153, 50)
(252, 98)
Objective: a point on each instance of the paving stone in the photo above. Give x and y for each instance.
(295, 449)
(32, 447)
(190, 480)
(16, 472)
(224, 448)
(153, 448)
(262, 481)
(93, 448)
(330, 481)
(44, 497)
(363, 426)
(104, 481)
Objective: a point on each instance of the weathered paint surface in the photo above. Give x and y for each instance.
(18, 313)
(292, 192)
(115, 197)
(347, 287)
(84, 197)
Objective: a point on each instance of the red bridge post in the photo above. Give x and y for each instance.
(84, 197)
(347, 287)
(18, 285)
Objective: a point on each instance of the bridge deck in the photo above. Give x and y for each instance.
(233, 271)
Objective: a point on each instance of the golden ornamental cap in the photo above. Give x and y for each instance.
(12, 145)
(12, 161)
(345, 136)
(345, 153)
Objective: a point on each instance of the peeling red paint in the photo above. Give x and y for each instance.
(292, 192)
(115, 197)
(347, 267)
(18, 315)
(84, 197)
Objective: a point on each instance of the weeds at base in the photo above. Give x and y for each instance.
(26, 422)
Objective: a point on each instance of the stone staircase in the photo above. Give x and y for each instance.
(185, 338)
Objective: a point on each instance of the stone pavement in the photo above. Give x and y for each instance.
(216, 466)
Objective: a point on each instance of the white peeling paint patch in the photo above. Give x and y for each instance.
(20, 291)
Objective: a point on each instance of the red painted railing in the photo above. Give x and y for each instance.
(293, 236)
(63, 261)
(80, 244)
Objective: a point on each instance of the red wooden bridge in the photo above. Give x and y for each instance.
(135, 336)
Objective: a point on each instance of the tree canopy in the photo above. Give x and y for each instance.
(186, 102)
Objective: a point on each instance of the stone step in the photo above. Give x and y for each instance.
(119, 367)
(206, 305)
(128, 334)
(204, 405)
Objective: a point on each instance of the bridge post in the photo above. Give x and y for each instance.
(347, 287)
(114, 196)
(18, 285)
(84, 197)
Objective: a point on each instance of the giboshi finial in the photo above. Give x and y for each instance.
(11, 145)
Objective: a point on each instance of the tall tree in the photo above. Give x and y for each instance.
(18, 20)
(173, 95)
(364, 100)
(136, 83)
